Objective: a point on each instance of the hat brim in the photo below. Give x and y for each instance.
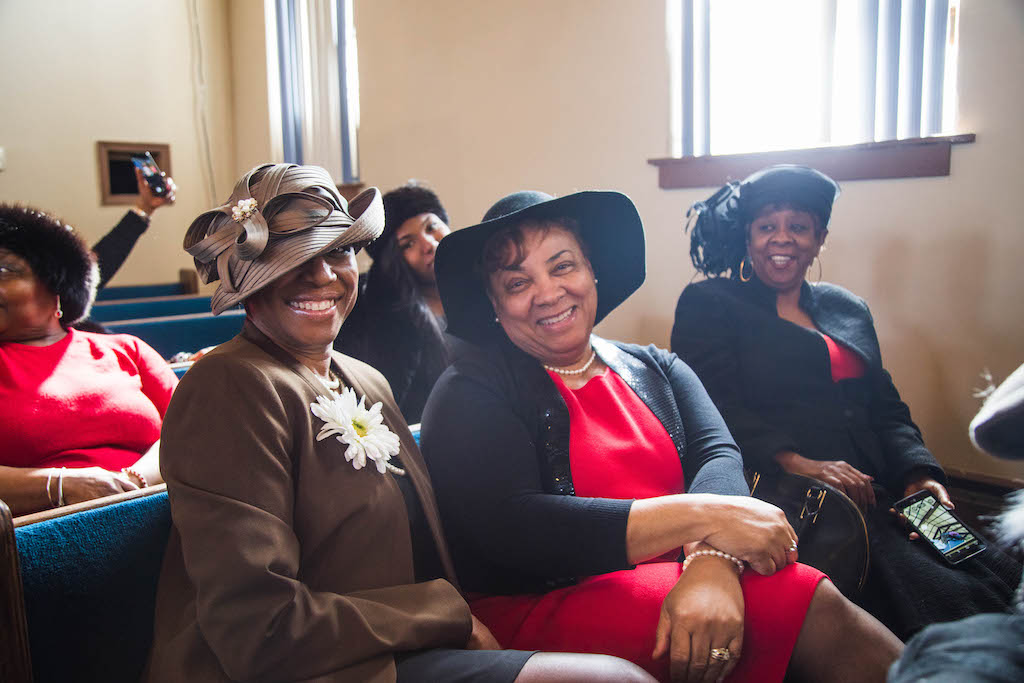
(287, 252)
(610, 226)
(781, 183)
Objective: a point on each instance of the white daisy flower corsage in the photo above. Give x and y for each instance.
(362, 429)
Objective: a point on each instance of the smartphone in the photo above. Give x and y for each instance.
(941, 528)
(151, 172)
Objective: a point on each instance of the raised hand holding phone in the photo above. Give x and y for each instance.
(155, 187)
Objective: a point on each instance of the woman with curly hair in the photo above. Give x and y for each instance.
(398, 322)
(82, 411)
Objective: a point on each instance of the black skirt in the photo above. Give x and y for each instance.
(460, 666)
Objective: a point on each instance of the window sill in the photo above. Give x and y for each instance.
(910, 158)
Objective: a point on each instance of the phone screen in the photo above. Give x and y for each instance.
(940, 527)
(151, 172)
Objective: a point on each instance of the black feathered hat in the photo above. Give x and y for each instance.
(803, 186)
(609, 224)
(400, 205)
(58, 256)
(718, 240)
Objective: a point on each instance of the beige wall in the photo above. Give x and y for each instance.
(257, 120)
(481, 99)
(77, 72)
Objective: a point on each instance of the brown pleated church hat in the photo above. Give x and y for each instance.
(278, 217)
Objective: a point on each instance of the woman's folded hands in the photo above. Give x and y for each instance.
(751, 530)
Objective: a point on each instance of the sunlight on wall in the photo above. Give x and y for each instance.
(793, 73)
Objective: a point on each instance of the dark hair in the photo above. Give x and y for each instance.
(401, 204)
(58, 256)
(505, 248)
(392, 321)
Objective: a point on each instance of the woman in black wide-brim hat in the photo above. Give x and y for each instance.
(570, 471)
(796, 371)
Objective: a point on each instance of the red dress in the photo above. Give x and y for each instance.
(619, 449)
(845, 363)
(87, 400)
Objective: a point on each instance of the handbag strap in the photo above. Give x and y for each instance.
(813, 500)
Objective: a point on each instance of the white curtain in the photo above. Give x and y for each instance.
(319, 98)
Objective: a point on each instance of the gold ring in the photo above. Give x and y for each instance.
(792, 548)
(722, 654)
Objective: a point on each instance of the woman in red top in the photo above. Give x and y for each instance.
(571, 470)
(81, 411)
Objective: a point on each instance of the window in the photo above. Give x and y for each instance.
(760, 75)
(319, 85)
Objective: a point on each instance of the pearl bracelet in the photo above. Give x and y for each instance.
(715, 553)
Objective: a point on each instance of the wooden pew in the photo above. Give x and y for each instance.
(78, 588)
(181, 368)
(149, 307)
(190, 332)
(188, 283)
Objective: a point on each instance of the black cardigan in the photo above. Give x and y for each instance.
(496, 440)
(772, 379)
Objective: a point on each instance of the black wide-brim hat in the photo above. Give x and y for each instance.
(609, 225)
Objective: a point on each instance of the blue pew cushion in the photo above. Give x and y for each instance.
(90, 589)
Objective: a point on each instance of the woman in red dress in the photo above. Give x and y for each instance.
(81, 411)
(570, 539)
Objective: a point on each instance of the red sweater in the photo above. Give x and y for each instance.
(87, 400)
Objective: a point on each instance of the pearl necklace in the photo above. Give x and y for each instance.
(331, 382)
(586, 366)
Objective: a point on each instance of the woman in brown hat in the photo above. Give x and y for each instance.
(306, 543)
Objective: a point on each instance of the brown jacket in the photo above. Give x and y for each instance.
(284, 562)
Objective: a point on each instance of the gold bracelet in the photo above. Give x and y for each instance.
(49, 495)
(132, 472)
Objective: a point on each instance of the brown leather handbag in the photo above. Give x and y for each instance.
(830, 526)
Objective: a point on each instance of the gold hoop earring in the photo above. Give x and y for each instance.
(818, 259)
(60, 311)
(743, 262)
